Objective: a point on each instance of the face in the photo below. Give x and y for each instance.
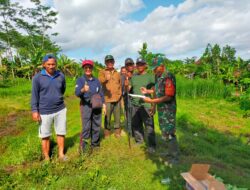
(130, 67)
(129, 74)
(141, 67)
(110, 64)
(88, 70)
(123, 71)
(50, 66)
(159, 70)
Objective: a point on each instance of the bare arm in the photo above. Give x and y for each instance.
(147, 91)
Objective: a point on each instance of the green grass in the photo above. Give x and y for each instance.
(209, 131)
(206, 88)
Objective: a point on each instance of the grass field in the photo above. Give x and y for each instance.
(209, 131)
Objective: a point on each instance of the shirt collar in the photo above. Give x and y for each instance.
(92, 79)
(44, 73)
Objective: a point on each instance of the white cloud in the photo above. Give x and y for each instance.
(174, 30)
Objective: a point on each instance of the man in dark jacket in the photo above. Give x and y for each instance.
(48, 87)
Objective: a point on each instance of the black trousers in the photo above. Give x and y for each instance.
(140, 116)
(91, 124)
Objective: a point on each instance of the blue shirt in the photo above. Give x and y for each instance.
(94, 87)
(47, 92)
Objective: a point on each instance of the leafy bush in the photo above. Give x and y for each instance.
(245, 100)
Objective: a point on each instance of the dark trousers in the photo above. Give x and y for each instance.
(140, 116)
(112, 107)
(91, 124)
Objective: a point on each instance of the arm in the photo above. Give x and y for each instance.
(102, 77)
(158, 100)
(102, 96)
(169, 93)
(35, 100)
(147, 91)
(64, 85)
(79, 85)
(101, 92)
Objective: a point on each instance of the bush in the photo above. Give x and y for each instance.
(245, 100)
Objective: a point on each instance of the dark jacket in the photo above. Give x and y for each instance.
(94, 86)
(47, 92)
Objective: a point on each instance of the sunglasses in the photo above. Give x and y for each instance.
(87, 67)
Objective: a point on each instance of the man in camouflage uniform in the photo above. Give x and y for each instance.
(165, 91)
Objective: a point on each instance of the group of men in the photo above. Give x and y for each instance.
(47, 103)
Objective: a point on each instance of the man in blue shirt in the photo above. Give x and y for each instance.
(47, 102)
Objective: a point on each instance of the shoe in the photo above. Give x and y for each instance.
(151, 150)
(63, 158)
(118, 133)
(106, 133)
(165, 154)
(85, 147)
(171, 162)
(95, 148)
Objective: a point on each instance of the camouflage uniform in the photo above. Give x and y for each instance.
(166, 110)
(167, 114)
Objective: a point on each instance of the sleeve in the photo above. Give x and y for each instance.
(64, 85)
(131, 85)
(151, 81)
(121, 90)
(101, 77)
(169, 87)
(35, 95)
(78, 87)
(101, 92)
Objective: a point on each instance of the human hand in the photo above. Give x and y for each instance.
(147, 100)
(152, 111)
(107, 75)
(143, 90)
(36, 116)
(104, 109)
(126, 82)
(85, 88)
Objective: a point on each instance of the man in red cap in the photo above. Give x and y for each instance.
(89, 88)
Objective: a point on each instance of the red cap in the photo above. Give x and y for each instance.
(87, 62)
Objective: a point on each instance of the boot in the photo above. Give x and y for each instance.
(118, 133)
(106, 133)
(173, 149)
(84, 147)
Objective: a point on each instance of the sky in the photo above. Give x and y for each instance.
(91, 29)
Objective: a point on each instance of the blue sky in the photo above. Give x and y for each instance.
(178, 28)
(149, 6)
(139, 15)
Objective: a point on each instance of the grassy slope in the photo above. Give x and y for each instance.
(209, 131)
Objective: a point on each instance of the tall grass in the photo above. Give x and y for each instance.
(16, 87)
(205, 88)
(22, 87)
